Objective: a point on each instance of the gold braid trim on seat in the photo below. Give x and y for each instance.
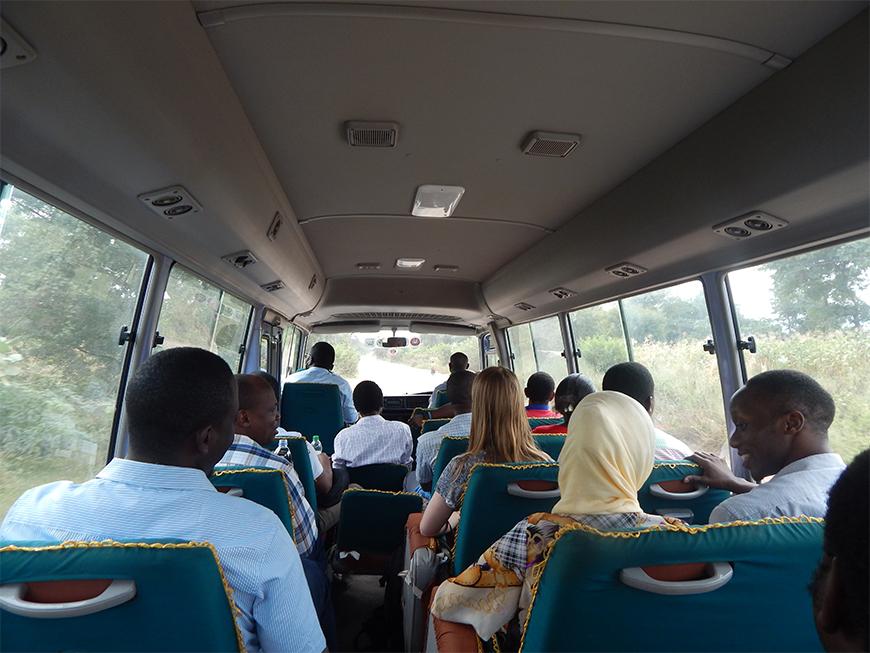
(112, 544)
(263, 470)
(538, 570)
(406, 494)
(676, 465)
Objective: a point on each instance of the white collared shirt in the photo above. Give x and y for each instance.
(800, 488)
(321, 375)
(373, 440)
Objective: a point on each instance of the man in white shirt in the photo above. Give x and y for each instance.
(635, 380)
(372, 440)
(320, 371)
(781, 420)
(458, 363)
(180, 409)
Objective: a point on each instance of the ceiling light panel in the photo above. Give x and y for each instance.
(409, 263)
(436, 201)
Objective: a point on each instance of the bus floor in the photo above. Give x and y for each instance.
(356, 600)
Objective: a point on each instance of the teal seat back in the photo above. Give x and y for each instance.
(262, 485)
(535, 422)
(302, 465)
(550, 443)
(451, 446)
(664, 493)
(171, 596)
(372, 528)
(430, 425)
(497, 497)
(583, 603)
(313, 409)
(440, 399)
(384, 476)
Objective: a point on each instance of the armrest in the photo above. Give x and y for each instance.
(451, 637)
(415, 539)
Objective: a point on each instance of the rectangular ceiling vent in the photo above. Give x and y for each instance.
(14, 50)
(240, 260)
(372, 134)
(550, 144)
(562, 293)
(523, 306)
(625, 269)
(756, 223)
(272, 286)
(415, 317)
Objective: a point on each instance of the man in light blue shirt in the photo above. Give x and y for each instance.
(320, 371)
(180, 408)
(781, 420)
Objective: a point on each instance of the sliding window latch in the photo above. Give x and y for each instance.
(748, 344)
(126, 336)
(710, 346)
(158, 339)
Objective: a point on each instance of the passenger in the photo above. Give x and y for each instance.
(781, 421)
(607, 456)
(840, 586)
(499, 434)
(321, 466)
(254, 427)
(180, 406)
(569, 393)
(372, 440)
(458, 363)
(634, 380)
(459, 394)
(540, 390)
(320, 371)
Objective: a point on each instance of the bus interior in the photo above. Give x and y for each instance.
(550, 186)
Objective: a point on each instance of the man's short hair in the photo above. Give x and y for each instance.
(276, 387)
(323, 355)
(251, 386)
(540, 387)
(785, 390)
(175, 393)
(368, 397)
(571, 391)
(846, 538)
(458, 362)
(631, 379)
(459, 387)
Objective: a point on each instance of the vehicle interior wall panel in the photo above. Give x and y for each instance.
(747, 158)
(74, 116)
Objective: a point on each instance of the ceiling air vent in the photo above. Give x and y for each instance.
(313, 282)
(550, 144)
(240, 260)
(272, 286)
(625, 269)
(171, 202)
(372, 134)
(14, 50)
(274, 227)
(749, 225)
(562, 293)
(523, 306)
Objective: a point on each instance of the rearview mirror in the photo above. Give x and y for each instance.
(394, 342)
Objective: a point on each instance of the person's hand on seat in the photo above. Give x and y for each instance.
(715, 473)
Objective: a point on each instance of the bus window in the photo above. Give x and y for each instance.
(667, 329)
(811, 313)
(290, 340)
(599, 338)
(522, 351)
(490, 352)
(547, 340)
(196, 313)
(414, 369)
(66, 289)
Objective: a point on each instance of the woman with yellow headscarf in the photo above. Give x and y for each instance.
(607, 456)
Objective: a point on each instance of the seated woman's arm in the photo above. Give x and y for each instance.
(438, 518)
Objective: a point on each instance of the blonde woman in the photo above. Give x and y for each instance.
(607, 456)
(499, 434)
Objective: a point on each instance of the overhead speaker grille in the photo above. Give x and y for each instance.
(416, 317)
(372, 134)
(551, 144)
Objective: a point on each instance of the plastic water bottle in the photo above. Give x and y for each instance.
(283, 448)
(316, 444)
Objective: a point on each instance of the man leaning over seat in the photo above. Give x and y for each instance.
(180, 410)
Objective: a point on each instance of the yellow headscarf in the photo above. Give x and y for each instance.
(607, 456)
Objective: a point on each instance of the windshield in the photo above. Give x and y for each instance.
(419, 367)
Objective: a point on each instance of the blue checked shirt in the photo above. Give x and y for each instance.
(131, 500)
(429, 443)
(245, 452)
(373, 440)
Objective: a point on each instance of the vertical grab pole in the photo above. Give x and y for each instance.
(567, 343)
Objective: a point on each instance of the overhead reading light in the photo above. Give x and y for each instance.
(240, 260)
(561, 293)
(751, 224)
(410, 263)
(625, 269)
(446, 268)
(272, 286)
(170, 202)
(523, 306)
(368, 266)
(435, 201)
(550, 144)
